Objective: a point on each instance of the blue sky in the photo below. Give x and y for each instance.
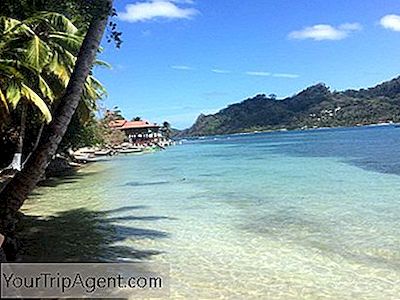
(180, 58)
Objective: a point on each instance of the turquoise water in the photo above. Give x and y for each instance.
(289, 215)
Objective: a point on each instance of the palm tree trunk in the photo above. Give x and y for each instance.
(23, 127)
(16, 163)
(14, 194)
(39, 135)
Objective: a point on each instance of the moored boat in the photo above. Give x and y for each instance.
(85, 158)
(103, 152)
(130, 150)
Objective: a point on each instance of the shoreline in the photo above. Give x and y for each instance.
(290, 130)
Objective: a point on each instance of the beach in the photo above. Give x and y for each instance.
(280, 215)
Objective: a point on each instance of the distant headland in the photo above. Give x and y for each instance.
(315, 107)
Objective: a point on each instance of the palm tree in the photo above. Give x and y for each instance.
(13, 195)
(39, 54)
(167, 129)
(23, 54)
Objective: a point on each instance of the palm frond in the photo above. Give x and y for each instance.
(38, 102)
(68, 41)
(10, 69)
(13, 93)
(93, 91)
(59, 70)
(37, 57)
(64, 57)
(3, 101)
(45, 89)
(96, 84)
(7, 24)
(37, 53)
(102, 63)
(58, 22)
(12, 28)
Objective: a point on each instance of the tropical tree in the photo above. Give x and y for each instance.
(167, 129)
(38, 55)
(272, 96)
(113, 114)
(23, 56)
(13, 195)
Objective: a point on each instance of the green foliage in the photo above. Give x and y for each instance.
(32, 97)
(27, 50)
(113, 115)
(112, 136)
(166, 129)
(78, 11)
(314, 107)
(38, 55)
(82, 134)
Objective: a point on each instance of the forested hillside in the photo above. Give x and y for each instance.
(313, 107)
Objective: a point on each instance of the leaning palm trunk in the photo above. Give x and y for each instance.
(14, 194)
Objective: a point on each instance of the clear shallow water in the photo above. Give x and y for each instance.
(285, 215)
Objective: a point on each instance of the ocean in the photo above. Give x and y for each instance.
(282, 215)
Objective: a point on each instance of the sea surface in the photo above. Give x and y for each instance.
(283, 215)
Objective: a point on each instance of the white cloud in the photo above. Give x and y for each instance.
(220, 71)
(258, 73)
(182, 67)
(285, 75)
(350, 27)
(154, 9)
(322, 32)
(391, 22)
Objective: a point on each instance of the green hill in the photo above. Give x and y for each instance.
(313, 107)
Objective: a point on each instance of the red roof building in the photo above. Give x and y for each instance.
(138, 131)
(138, 125)
(117, 123)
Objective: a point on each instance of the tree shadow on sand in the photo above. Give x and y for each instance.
(71, 176)
(81, 235)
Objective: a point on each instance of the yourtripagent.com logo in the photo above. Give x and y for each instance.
(75, 280)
